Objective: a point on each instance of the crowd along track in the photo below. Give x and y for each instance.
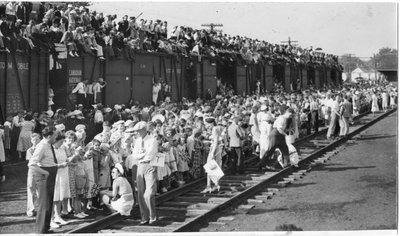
(183, 208)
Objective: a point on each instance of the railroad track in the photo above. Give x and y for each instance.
(181, 209)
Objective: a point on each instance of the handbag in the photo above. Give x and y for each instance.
(95, 190)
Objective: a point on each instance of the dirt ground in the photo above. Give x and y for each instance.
(355, 190)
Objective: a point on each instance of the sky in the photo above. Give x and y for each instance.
(359, 28)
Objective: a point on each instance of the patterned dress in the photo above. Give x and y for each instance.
(197, 159)
(71, 171)
(24, 139)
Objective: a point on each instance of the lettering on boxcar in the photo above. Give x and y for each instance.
(75, 72)
(169, 70)
(23, 66)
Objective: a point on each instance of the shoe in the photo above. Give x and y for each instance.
(76, 54)
(216, 188)
(31, 214)
(144, 222)
(151, 221)
(60, 221)
(54, 225)
(101, 58)
(207, 190)
(80, 216)
(164, 190)
(3, 178)
(84, 214)
(71, 54)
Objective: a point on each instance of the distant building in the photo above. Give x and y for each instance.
(361, 74)
(390, 74)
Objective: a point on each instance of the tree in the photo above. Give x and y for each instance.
(386, 58)
(351, 62)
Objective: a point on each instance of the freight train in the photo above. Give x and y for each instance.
(25, 79)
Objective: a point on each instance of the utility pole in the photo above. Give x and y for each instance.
(289, 42)
(212, 25)
(375, 67)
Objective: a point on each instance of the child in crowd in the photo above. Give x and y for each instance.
(197, 155)
(164, 172)
(92, 160)
(182, 160)
(105, 167)
(81, 179)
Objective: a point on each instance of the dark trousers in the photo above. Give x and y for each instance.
(314, 120)
(277, 140)
(89, 100)
(98, 127)
(237, 160)
(81, 99)
(1, 169)
(134, 186)
(309, 122)
(45, 188)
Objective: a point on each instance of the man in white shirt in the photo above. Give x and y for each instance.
(144, 152)
(89, 93)
(80, 91)
(97, 90)
(236, 135)
(156, 90)
(277, 138)
(334, 118)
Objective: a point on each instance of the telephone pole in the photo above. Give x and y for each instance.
(212, 25)
(289, 42)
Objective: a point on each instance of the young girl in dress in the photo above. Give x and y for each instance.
(91, 160)
(164, 172)
(105, 167)
(182, 160)
(81, 179)
(61, 187)
(197, 155)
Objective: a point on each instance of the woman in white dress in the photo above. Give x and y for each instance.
(392, 99)
(385, 100)
(24, 139)
(265, 121)
(255, 129)
(375, 106)
(61, 188)
(215, 153)
(121, 197)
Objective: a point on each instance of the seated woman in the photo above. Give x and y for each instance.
(121, 197)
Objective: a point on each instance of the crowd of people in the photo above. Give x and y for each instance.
(116, 157)
(120, 156)
(84, 31)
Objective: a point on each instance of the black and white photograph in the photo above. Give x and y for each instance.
(199, 117)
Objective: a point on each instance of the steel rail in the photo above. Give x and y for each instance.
(264, 184)
(116, 217)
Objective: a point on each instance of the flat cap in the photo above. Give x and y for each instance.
(139, 126)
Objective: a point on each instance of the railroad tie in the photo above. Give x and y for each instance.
(244, 209)
(226, 218)
(262, 197)
(272, 189)
(254, 201)
(266, 193)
